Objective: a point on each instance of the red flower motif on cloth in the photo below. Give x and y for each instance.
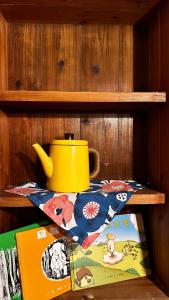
(91, 209)
(23, 191)
(117, 186)
(59, 209)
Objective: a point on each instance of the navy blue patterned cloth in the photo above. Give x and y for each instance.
(82, 215)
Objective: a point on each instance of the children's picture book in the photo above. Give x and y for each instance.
(119, 253)
(44, 263)
(10, 287)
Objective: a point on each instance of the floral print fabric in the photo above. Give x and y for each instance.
(82, 215)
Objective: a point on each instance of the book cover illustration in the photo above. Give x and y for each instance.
(10, 288)
(44, 263)
(119, 253)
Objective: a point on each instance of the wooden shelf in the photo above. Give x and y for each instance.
(147, 196)
(68, 97)
(142, 197)
(47, 101)
(140, 288)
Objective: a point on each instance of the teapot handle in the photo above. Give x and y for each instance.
(96, 170)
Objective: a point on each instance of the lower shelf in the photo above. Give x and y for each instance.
(141, 288)
(141, 197)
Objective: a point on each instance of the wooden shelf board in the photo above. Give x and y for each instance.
(147, 196)
(81, 97)
(142, 197)
(140, 288)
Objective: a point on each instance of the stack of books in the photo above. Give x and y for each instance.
(39, 262)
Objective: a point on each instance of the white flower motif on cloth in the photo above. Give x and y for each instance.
(90, 210)
(121, 197)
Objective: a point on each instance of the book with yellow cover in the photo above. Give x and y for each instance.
(44, 263)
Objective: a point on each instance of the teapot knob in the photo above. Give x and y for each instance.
(69, 136)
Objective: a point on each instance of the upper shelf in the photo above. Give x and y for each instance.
(48, 100)
(68, 97)
(142, 197)
(76, 11)
(80, 101)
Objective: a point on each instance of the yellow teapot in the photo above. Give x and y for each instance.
(67, 166)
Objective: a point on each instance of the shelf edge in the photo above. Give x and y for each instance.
(148, 197)
(82, 97)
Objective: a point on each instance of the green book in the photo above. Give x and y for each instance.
(10, 287)
(119, 253)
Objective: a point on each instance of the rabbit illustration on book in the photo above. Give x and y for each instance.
(58, 259)
(55, 260)
(112, 257)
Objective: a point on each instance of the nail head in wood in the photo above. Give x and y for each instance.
(85, 121)
(96, 69)
(61, 63)
(18, 84)
(83, 22)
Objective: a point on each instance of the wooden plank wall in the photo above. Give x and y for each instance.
(158, 160)
(70, 58)
(4, 149)
(5, 217)
(110, 134)
(3, 53)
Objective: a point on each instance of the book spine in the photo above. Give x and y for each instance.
(22, 271)
(72, 271)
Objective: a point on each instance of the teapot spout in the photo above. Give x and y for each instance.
(46, 161)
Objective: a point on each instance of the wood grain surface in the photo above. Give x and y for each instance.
(3, 53)
(4, 150)
(84, 60)
(141, 289)
(70, 57)
(110, 134)
(75, 11)
(78, 97)
(158, 144)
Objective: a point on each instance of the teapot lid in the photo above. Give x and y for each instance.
(70, 142)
